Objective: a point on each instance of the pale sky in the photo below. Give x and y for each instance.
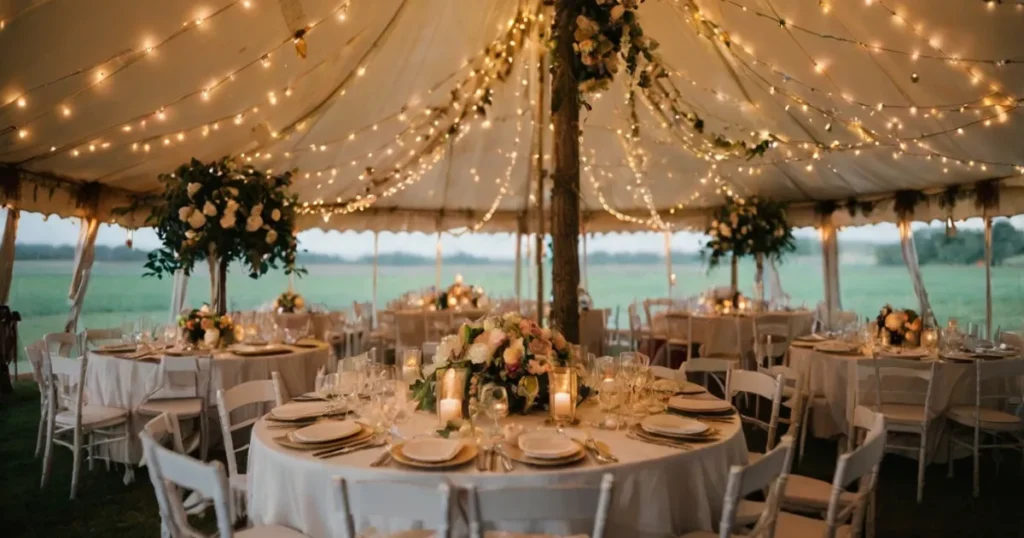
(55, 231)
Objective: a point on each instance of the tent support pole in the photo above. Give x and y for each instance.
(668, 261)
(376, 253)
(565, 184)
(437, 264)
(519, 262)
(7, 254)
(539, 122)
(586, 263)
(988, 275)
(830, 267)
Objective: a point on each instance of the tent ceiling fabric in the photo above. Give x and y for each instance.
(81, 99)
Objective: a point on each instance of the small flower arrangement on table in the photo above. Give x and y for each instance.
(508, 350)
(289, 302)
(899, 326)
(204, 326)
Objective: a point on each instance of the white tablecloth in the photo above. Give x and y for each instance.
(834, 376)
(125, 383)
(659, 491)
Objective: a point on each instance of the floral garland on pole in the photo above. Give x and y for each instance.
(221, 212)
(751, 226)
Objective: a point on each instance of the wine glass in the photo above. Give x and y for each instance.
(494, 404)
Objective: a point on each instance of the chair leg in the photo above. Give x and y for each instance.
(41, 434)
(922, 454)
(91, 440)
(77, 463)
(949, 455)
(47, 454)
(977, 462)
(803, 427)
(204, 442)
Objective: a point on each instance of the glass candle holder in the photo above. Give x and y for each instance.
(562, 389)
(930, 338)
(410, 362)
(451, 395)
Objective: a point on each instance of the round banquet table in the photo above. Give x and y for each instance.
(116, 381)
(722, 334)
(659, 491)
(834, 376)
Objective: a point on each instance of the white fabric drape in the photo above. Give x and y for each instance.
(376, 253)
(178, 292)
(830, 267)
(85, 252)
(914, 268)
(7, 254)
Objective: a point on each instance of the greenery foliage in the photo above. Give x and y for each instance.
(225, 209)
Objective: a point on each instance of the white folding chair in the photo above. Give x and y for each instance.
(361, 499)
(63, 344)
(165, 429)
(715, 369)
(351, 364)
(996, 384)
(169, 471)
(249, 393)
(35, 352)
(892, 384)
(767, 473)
(67, 413)
(655, 309)
(94, 337)
(724, 339)
(637, 331)
(675, 374)
(490, 507)
(761, 385)
(771, 340)
(163, 400)
(679, 334)
(847, 513)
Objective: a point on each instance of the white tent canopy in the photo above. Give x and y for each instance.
(863, 99)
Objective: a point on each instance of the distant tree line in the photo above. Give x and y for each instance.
(967, 247)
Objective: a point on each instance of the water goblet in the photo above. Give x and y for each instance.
(494, 404)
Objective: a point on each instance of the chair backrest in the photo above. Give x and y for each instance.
(655, 309)
(895, 381)
(251, 392)
(708, 366)
(662, 372)
(570, 502)
(163, 428)
(174, 370)
(379, 498)
(35, 353)
(769, 472)
(679, 326)
(862, 463)
(725, 336)
(410, 329)
(169, 471)
(94, 336)
(758, 384)
(66, 378)
(63, 344)
(997, 383)
(772, 335)
(592, 330)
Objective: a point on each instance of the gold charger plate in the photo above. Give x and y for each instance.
(711, 434)
(515, 453)
(360, 436)
(465, 455)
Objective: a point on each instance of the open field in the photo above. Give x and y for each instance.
(117, 290)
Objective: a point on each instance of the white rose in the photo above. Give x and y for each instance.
(275, 215)
(227, 221)
(211, 337)
(209, 209)
(617, 12)
(724, 230)
(184, 212)
(232, 191)
(271, 237)
(189, 234)
(257, 209)
(197, 219)
(479, 353)
(192, 189)
(490, 323)
(253, 223)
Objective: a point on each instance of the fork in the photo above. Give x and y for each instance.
(670, 444)
(385, 457)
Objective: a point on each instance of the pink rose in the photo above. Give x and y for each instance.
(206, 324)
(536, 331)
(540, 348)
(514, 353)
(525, 326)
(559, 341)
(538, 366)
(494, 338)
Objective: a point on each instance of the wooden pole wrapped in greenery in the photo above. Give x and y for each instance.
(222, 212)
(751, 226)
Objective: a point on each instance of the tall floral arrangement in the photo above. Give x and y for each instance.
(224, 211)
(751, 226)
(509, 350)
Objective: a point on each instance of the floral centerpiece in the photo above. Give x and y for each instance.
(509, 350)
(221, 212)
(204, 326)
(751, 226)
(459, 295)
(899, 325)
(289, 302)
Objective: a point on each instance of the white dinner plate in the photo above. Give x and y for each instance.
(431, 449)
(672, 425)
(699, 406)
(811, 338)
(324, 431)
(251, 350)
(904, 353)
(692, 388)
(118, 348)
(836, 347)
(299, 410)
(547, 445)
